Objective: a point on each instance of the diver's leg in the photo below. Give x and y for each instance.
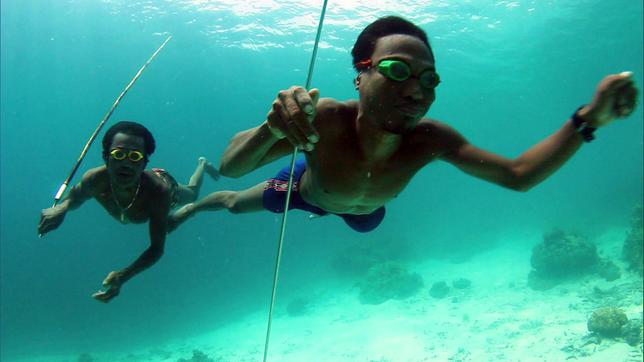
(248, 200)
(210, 169)
(190, 192)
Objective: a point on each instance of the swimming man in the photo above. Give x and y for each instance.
(362, 153)
(131, 194)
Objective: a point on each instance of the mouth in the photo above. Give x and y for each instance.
(125, 173)
(411, 110)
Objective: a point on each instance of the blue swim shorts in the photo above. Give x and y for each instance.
(274, 198)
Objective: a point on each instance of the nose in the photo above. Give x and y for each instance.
(124, 163)
(412, 90)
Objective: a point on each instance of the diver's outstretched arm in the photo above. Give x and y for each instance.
(52, 217)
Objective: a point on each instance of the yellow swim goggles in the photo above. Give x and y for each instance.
(132, 155)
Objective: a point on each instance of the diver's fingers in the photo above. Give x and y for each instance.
(315, 96)
(296, 137)
(625, 100)
(277, 124)
(294, 117)
(303, 102)
(41, 225)
(610, 85)
(307, 110)
(106, 295)
(45, 225)
(100, 296)
(273, 120)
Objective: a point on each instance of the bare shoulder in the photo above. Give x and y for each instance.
(95, 179)
(156, 187)
(154, 182)
(95, 173)
(438, 135)
(436, 126)
(330, 112)
(331, 106)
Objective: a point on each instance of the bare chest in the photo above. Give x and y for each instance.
(343, 181)
(133, 211)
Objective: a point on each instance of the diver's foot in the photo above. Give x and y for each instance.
(180, 216)
(209, 168)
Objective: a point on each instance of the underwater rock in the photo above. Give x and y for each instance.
(607, 322)
(389, 280)
(197, 356)
(461, 283)
(298, 306)
(439, 290)
(608, 270)
(633, 248)
(563, 254)
(632, 332)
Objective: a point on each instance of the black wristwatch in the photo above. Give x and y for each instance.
(582, 127)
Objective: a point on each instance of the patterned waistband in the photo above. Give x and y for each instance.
(280, 185)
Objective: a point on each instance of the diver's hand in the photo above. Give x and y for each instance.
(113, 287)
(615, 97)
(50, 219)
(291, 117)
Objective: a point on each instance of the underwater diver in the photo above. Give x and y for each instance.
(131, 194)
(362, 153)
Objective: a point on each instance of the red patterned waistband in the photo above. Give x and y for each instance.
(280, 185)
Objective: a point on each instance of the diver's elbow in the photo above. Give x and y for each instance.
(522, 187)
(520, 183)
(227, 171)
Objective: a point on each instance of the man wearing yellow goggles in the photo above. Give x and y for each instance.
(131, 194)
(132, 155)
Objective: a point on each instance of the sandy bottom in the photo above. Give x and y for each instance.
(498, 318)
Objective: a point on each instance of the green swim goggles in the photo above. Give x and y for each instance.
(400, 71)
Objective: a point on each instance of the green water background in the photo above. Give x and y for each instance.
(512, 71)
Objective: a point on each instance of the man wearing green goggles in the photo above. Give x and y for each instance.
(131, 194)
(400, 71)
(360, 154)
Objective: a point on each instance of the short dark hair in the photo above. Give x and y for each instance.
(389, 25)
(132, 129)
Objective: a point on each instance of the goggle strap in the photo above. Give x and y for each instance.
(365, 64)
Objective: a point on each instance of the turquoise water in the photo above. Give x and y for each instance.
(512, 72)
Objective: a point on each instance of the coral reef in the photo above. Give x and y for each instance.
(439, 290)
(607, 322)
(197, 356)
(563, 254)
(633, 248)
(632, 332)
(388, 280)
(608, 270)
(461, 283)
